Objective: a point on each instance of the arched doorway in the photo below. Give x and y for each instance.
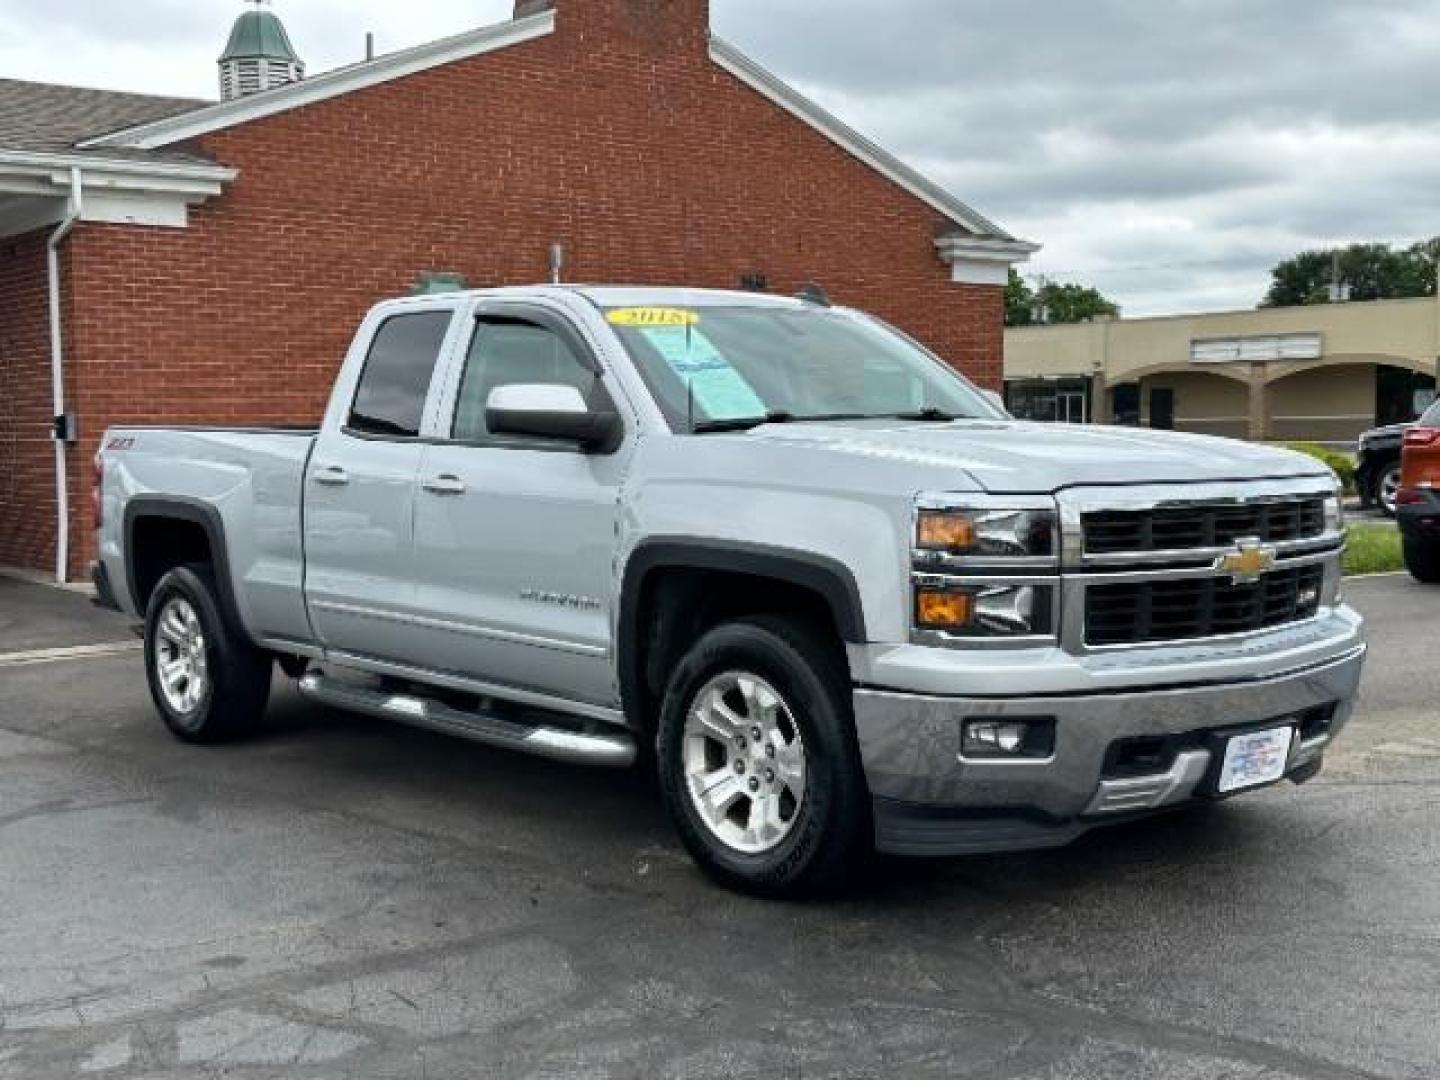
(1212, 402)
(1335, 402)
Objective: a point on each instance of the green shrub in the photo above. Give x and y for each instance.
(1374, 549)
(1343, 464)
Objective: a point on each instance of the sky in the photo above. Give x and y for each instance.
(1167, 152)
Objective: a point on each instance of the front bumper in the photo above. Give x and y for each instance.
(929, 800)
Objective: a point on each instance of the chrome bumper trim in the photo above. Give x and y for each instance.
(910, 744)
(1152, 792)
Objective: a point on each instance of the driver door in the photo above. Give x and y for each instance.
(515, 537)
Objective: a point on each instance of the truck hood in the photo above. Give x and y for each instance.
(1016, 457)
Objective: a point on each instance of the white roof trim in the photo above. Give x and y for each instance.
(35, 189)
(329, 84)
(837, 131)
(976, 261)
(163, 173)
(980, 250)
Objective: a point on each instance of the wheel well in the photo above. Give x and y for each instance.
(676, 605)
(157, 546)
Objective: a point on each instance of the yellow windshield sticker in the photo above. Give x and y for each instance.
(653, 316)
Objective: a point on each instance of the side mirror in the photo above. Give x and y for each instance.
(996, 399)
(552, 412)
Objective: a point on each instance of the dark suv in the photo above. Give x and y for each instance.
(1377, 470)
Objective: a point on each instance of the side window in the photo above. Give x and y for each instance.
(391, 397)
(509, 351)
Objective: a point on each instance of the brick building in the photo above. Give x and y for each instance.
(208, 261)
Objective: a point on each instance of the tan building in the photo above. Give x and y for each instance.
(1323, 373)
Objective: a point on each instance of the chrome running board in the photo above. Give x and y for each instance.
(615, 750)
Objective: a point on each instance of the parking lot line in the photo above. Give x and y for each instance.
(74, 652)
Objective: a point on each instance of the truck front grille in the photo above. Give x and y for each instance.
(1185, 609)
(1205, 525)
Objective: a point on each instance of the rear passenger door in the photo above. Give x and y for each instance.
(515, 537)
(360, 490)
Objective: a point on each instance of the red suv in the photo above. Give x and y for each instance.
(1417, 505)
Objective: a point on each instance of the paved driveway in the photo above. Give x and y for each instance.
(342, 898)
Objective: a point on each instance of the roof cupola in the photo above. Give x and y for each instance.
(259, 55)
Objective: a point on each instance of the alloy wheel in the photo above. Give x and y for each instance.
(180, 659)
(744, 762)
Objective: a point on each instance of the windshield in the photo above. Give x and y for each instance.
(728, 367)
(1431, 417)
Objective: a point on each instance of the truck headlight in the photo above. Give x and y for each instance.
(985, 568)
(1002, 532)
(1334, 515)
(976, 609)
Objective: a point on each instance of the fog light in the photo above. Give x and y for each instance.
(1008, 738)
(993, 738)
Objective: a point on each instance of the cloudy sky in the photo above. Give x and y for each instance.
(1166, 151)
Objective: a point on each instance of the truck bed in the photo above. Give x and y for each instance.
(248, 480)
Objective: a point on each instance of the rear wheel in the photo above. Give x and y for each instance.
(207, 682)
(1422, 559)
(1387, 489)
(758, 760)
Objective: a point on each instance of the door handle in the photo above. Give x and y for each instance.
(332, 476)
(445, 484)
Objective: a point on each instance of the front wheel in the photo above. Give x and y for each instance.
(207, 682)
(1422, 559)
(758, 761)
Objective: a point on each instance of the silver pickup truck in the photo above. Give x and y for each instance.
(829, 589)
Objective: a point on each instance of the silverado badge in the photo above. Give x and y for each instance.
(1250, 561)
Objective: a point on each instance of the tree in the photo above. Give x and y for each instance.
(1051, 303)
(1019, 301)
(1371, 271)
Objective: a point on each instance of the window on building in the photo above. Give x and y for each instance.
(1057, 401)
(506, 352)
(390, 399)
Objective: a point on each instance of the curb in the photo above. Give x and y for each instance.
(39, 577)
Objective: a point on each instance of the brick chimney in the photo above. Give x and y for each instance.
(659, 25)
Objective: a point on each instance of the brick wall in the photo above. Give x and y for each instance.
(27, 454)
(616, 136)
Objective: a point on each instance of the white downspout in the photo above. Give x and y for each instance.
(57, 375)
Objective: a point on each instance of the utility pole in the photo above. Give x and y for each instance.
(1340, 292)
(1039, 313)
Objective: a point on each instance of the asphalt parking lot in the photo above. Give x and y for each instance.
(342, 898)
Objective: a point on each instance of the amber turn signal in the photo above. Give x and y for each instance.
(936, 610)
(946, 532)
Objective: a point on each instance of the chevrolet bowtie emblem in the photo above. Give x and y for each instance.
(1248, 563)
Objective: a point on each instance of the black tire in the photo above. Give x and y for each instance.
(1422, 559)
(1388, 473)
(830, 829)
(236, 685)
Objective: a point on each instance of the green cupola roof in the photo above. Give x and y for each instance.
(259, 35)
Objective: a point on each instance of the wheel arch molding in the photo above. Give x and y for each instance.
(828, 579)
(141, 573)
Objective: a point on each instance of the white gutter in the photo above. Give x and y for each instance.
(92, 163)
(57, 375)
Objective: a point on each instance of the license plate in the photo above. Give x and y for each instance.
(1257, 758)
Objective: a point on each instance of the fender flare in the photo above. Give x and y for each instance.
(829, 578)
(193, 512)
